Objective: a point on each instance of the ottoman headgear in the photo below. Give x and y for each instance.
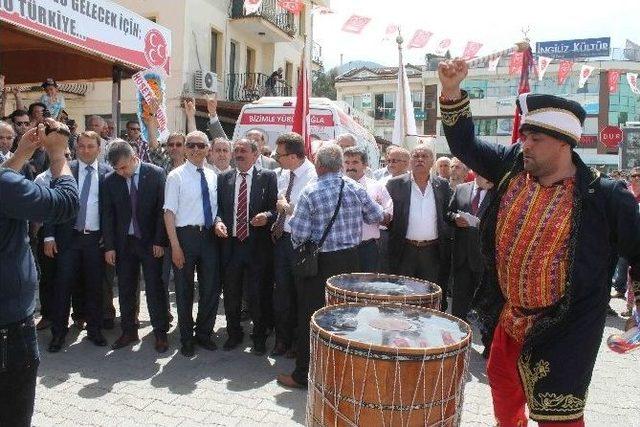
(554, 116)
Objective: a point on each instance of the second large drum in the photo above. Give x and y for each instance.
(372, 288)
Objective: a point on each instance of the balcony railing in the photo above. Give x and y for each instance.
(316, 53)
(248, 87)
(270, 11)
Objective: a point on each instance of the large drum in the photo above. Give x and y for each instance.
(388, 365)
(372, 288)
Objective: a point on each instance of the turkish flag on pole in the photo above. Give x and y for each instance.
(355, 24)
(564, 69)
(471, 50)
(301, 113)
(252, 6)
(293, 6)
(420, 39)
(613, 77)
(527, 61)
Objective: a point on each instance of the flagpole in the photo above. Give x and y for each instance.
(399, 40)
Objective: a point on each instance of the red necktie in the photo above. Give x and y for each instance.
(475, 203)
(242, 228)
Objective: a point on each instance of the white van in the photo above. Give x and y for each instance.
(274, 116)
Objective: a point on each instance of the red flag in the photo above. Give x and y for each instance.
(471, 50)
(523, 87)
(293, 6)
(391, 30)
(355, 24)
(301, 114)
(564, 69)
(613, 78)
(420, 39)
(515, 63)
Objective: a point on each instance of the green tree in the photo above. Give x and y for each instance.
(324, 84)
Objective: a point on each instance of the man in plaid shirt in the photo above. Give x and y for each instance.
(339, 253)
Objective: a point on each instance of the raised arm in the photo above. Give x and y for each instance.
(215, 127)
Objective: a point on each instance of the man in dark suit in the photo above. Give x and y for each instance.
(77, 245)
(135, 236)
(247, 199)
(418, 228)
(472, 198)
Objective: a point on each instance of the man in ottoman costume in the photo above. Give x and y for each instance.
(550, 239)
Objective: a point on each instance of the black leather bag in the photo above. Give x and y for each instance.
(306, 255)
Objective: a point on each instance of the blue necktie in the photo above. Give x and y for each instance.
(206, 202)
(84, 198)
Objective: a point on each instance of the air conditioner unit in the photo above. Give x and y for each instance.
(205, 82)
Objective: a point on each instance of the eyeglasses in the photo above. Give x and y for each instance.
(174, 144)
(394, 161)
(200, 145)
(68, 156)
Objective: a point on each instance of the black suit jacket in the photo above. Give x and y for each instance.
(400, 191)
(466, 240)
(117, 208)
(263, 197)
(63, 233)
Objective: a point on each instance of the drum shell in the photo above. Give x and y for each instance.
(337, 295)
(355, 384)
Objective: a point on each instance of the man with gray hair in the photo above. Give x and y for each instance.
(219, 156)
(338, 253)
(190, 207)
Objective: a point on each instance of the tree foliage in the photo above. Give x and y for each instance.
(324, 83)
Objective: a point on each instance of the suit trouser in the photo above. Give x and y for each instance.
(383, 251)
(311, 298)
(129, 259)
(368, 256)
(46, 284)
(108, 309)
(284, 298)
(244, 266)
(465, 283)
(423, 263)
(201, 253)
(84, 257)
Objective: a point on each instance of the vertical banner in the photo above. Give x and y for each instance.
(355, 24)
(252, 6)
(632, 79)
(542, 65)
(564, 69)
(471, 49)
(585, 73)
(420, 39)
(493, 64)
(443, 46)
(613, 76)
(150, 85)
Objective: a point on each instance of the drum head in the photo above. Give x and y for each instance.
(382, 284)
(397, 326)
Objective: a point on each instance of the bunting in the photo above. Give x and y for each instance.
(471, 49)
(515, 63)
(392, 30)
(443, 46)
(585, 73)
(542, 65)
(632, 79)
(293, 6)
(613, 76)
(355, 24)
(420, 39)
(493, 63)
(252, 6)
(564, 69)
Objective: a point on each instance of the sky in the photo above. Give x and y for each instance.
(495, 24)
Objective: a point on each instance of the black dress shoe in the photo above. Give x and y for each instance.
(98, 339)
(259, 348)
(56, 344)
(187, 349)
(232, 342)
(125, 340)
(108, 324)
(280, 349)
(207, 344)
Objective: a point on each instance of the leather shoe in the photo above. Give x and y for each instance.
(187, 349)
(43, 324)
(232, 342)
(259, 348)
(56, 344)
(279, 350)
(288, 381)
(108, 324)
(98, 339)
(125, 340)
(207, 344)
(161, 345)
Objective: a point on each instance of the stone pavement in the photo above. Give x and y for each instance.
(88, 385)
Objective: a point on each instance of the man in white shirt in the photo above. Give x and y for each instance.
(190, 206)
(355, 164)
(297, 172)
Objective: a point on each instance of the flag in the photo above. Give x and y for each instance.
(392, 30)
(404, 122)
(515, 63)
(322, 10)
(542, 65)
(493, 64)
(420, 39)
(523, 87)
(564, 69)
(471, 49)
(632, 79)
(293, 6)
(355, 24)
(585, 72)
(613, 76)
(443, 46)
(252, 6)
(301, 113)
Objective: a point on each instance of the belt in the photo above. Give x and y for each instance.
(422, 243)
(199, 228)
(83, 231)
(372, 240)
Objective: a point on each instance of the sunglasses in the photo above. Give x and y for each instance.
(174, 144)
(200, 145)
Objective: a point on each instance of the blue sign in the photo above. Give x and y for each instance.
(580, 48)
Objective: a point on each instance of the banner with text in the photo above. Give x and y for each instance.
(150, 85)
(579, 48)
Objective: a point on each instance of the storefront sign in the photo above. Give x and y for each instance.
(580, 48)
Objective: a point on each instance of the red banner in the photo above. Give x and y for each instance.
(420, 39)
(355, 24)
(613, 76)
(564, 69)
(515, 63)
(471, 50)
(284, 119)
(293, 6)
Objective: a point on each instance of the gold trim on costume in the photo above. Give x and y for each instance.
(450, 118)
(543, 125)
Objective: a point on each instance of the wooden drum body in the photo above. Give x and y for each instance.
(373, 288)
(389, 365)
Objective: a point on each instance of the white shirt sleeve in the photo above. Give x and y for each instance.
(172, 192)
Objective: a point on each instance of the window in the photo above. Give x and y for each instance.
(215, 53)
(348, 100)
(302, 25)
(486, 127)
(416, 99)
